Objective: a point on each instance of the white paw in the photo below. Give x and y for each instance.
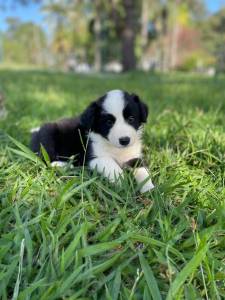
(107, 167)
(141, 174)
(148, 186)
(115, 175)
(58, 164)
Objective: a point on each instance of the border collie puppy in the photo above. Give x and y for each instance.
(105, 137)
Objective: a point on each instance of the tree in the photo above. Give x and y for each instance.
(97, 36)
(146, 8)
(129, 34)
(171, 16)
(24, 42)
(126, 15)
(183, 13)
(214, 38)
(56, 16)
(69, 23)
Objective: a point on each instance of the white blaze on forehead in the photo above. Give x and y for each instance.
(114, 102)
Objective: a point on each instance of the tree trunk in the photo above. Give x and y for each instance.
(163, 41)
(144, 30)
(175, 34)
(129, 35)
(1, 48)
(97, 33)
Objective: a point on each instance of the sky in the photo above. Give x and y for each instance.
(32, 13)
(214, 5)
(27, 13)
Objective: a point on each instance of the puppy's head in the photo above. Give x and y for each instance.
(117, 116)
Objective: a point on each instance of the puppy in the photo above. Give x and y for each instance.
(106, 137)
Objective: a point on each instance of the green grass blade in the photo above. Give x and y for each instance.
(25, 152)
(71, 192)
(69, 252)
(68, 280)
(16, 288)
(108, 231)
(116, 285)
(147, 240)
(45, 155)
(190, 267)
(100, 268)
(25, 294)
(98, 248)
(150, 278)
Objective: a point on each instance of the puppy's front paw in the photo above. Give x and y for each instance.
(142, 175)
(116, 176)
(148, 186)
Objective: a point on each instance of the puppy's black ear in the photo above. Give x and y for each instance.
(143, 108)
(87, 118)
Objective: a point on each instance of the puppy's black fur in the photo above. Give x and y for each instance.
(61, 140)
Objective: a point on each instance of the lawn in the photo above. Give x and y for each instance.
(68, 234)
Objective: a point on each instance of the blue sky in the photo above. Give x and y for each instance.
(32, 12)
(25, 13)
(214, 5)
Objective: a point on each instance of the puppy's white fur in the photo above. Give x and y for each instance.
(35, 129)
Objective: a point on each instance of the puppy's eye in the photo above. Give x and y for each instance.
(130, 120)
(109, 122)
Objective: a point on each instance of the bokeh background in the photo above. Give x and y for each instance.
(116, 35)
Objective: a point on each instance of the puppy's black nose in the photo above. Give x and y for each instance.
(124, 141)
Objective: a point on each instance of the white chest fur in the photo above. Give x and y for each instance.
(102, 148)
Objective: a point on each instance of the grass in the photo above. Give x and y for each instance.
(68, 234)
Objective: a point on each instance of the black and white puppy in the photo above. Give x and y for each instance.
(105, 137)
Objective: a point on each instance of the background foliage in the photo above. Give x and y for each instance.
(145, 34)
